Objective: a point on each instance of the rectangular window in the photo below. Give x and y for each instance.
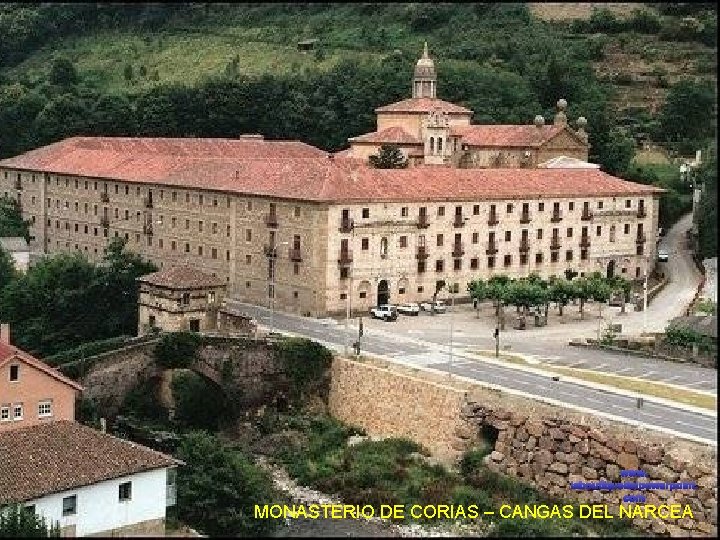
(627, 228)
(628, 203)
(554, 256)
(539, 234)
(598, 231)
(538, 258)
(568, 255)
(474, 264)
(600, 205)
(404, 211)
(365, 213)
(508, 236)
(541, 207)
(17, 411)
(507, 261)
(439, 240)
(491, 262)
(214, 228)
(213, 253)
(457, 264)
(187, 248)
(200, 200)
(200, 250)
(403, 241)
(228, 231)
(248, 259)
(69, 505)
(14, 372)
(200, 225)
(125, 491)
(365, 244)
(439, 265)
(248, 235)
(571, 206)
(476, 210)
(173, 197)
(45, 408)
(5, 413)
(569, 232)
(509, 208)
(441, 211)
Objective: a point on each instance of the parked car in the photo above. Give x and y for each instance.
(617, 299)
(386, 312)
(409, 309)
(663, 255)
(438, 306)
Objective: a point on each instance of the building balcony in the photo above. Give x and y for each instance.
(295, 255)
(525, 218)
(345, 257)
(459, 221)
(555, 243)
(492, 248)
(346, 225)
(270, 251)
(422, 222)
(586, 216)
(640, 238)
(105, 222)
(458, 250)
(641, 213)
(422, 253)
(104, 197)
(493, 220)
(148, 229)
(556, 217)
(584, 241)
(147, 201)
(524, 246)
(271, 221)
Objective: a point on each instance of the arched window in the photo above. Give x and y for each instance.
(440, 145)
(432, 145)
(383, 247)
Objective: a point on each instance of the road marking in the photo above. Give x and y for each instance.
(651, 415)
(695, 426)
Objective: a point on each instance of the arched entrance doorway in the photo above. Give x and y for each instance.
(383, 293)
(611, 269)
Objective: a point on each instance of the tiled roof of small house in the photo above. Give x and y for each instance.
(506, 136)
(181, 277)
(62, 455)
(9, 352)
(391, 135)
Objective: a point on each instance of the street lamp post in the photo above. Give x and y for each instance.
(272, 284)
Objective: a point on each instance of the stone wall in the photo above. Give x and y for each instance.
(546, 446)
(385, 403)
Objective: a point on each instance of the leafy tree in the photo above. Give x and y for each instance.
(689, 112)
(478, 292)
(113, 115)
(219, 487)
(65, 115)
(63, 72)
(7, 268)
(600, 289)
(18, 522)
(128, 72)
(305, 361)
(619, 151)
(496, 289)
(707, 208)
(176, 350)
(11, 221)
(582, 290)
(560, 291)
(388, 157)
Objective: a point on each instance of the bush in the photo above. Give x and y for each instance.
(86, 350)
(177, 350)
(18, 522)
(305, 362)
(141, 402)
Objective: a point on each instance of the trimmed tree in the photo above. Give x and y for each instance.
(560, 291)
(388, 157)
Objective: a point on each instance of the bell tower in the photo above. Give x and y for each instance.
(425, 77)
(435, 135)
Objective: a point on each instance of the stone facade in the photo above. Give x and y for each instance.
(543, 445)
(390, 245)
(151, 527)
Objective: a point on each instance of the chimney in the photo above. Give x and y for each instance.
(5, 333)
(103, 425)
(560, 117)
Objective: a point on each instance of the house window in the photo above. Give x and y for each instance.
(200, 225)
(508, 236)
(421, 289)
(441, 210)
(45, 408)
(125, 491)
(363, 294)
(628, 203)
(200, 200)
(491, 262)
(200, 251)
(5, 413)
(404, 211)
(297, 211)
(627, 228)
(476, 210)
(248, 259)
(18, 411)
(248, 235)
(474, 264)
(568, 255)
(401, 290)
(365, 244)
(569, 232)
(14, 372)
(507, 261)
(509, 208)
(523, 259)
(539, 234)
(365, 213)
(475, 237)
(439, 265)
(69, 505)
(600, 205)
(213, 253)
(598, 231)
(571, 206)
(187, 248)
(439, 240)
(612, 233)
(383, 248)
(403, 241)
(541, 207)
(538, 258)
(554, 256)
(296, 267)
(185, 299)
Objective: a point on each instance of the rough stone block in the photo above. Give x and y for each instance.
(650, 454)
(531, 442)
(497, 456)
(613, 472)
(546, 443)
(583, 447)
(534, 428)
(661, 472)
(558, 467)
(589, 473)
(597, 435)
(630, 447)
(628, 461)
(567, 446)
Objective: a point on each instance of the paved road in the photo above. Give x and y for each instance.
(423, 353)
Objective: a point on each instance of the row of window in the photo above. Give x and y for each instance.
(14, 411)
(70, 504)
(509, 208)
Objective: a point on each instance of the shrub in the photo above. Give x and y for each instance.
(305, 361)
(86, 350)
(198, 402)
(176, 350)
(18, 522)
(141, 402)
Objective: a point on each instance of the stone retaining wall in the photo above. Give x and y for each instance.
(546, 446)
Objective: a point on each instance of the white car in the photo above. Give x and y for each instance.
(663, 255)
(386, 312)
(409, 309)
(438, 306)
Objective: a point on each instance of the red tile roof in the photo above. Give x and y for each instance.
(506, 135)
(327, 180)
(181, 277)
(63, 455)
(8, 352)
(421, 105)
(391, 135)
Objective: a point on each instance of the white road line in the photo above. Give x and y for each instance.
(651, 415)
(712, 430)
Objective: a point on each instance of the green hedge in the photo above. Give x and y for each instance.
(686, 337)
(86, 350)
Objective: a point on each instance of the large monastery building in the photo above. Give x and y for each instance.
(286, 219)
